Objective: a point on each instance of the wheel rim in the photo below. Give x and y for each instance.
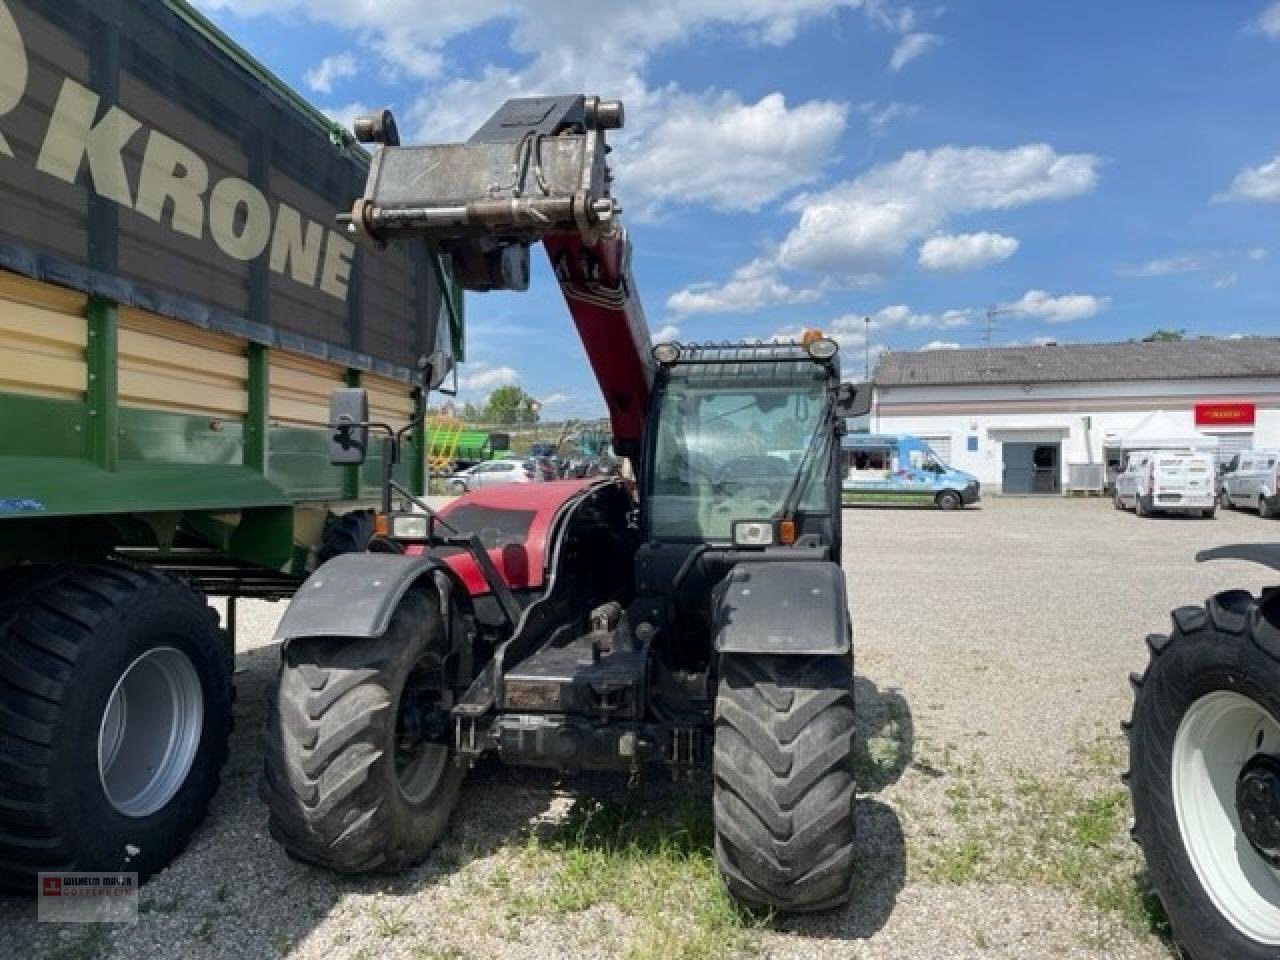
(420, 763)
(150, 732)
(1218, 736)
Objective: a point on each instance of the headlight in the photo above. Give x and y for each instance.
(409, 526)
(823, 348)
(752, 533)
(666, 353)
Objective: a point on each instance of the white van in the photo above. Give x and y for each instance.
(1168, 481)
(1254, 483)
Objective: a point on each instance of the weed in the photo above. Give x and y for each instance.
(93, 943)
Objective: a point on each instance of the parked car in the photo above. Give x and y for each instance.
(541, 469)
(881, 468)
(1167, 481)
(488, 474)
(1254, 483)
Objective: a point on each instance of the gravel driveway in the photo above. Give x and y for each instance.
(993, 647)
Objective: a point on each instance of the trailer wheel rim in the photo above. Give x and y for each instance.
(1218, 736)
(150, 732)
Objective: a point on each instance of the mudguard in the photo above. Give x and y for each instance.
(786, 607)
(1267, 554)
(353, 595)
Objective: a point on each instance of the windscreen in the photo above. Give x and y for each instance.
(727, 454)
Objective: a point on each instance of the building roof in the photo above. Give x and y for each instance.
(1083, 363)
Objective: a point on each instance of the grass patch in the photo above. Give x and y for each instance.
(650, 857)
(1064, 831)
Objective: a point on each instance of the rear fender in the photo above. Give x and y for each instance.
(355, 594)
(784, 607)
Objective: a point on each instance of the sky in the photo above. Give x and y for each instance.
(1073, 172)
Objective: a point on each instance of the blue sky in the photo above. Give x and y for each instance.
(1092, 170)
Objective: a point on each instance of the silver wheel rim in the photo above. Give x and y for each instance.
(150, 732)
(420, 773)
(1217, 737)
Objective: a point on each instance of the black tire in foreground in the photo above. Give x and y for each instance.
(1204, 741)
(114, 715)
(783, 780)
(349, 786)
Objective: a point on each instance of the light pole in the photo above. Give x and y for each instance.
(866, 348)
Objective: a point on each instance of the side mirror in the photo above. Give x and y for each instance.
(348, 425)
(853, 400)
(436, 368)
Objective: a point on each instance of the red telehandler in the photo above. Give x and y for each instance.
(695, 616)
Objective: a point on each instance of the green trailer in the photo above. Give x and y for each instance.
(177, 301)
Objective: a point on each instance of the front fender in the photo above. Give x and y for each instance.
(783, 607)
(353, 595)
(1267, 554)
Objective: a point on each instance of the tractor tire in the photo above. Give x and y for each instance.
(949, 500)
(114, 719)
(346, 533)
(340, 791)
(783, 780)
(1206, 713)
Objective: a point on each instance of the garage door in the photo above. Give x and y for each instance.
(1229, 444)
(941, 446)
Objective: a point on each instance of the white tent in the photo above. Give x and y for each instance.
(1159, 431)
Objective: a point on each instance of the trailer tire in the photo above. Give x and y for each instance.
(332, 779)
(346, 533)
(949, 500)
(114, 719)
(1211, 689)
(783, 780)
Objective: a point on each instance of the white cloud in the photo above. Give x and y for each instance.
(1226, 280)
(941, 345)
(339, 66)
(1061, 309)
(860, 227)
(665, 333)
(911, 46)
(1260, 184)
(345, 115)
(554, 400)
(716, 150)
(881, 115)
(751, 288)
(1268, 21)
(1164, 266)
(1257, 254)
(966, 251)
(484, 377)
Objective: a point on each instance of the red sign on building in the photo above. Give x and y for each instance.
(1224, 414)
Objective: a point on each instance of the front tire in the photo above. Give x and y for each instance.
(783, 780)
(949, 500)
(349, 787)
(1206, 710)
(114, 719)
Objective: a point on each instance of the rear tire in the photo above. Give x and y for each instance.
(949, 500)
(1209, 513)
(114, 719)
(1117, 502)
(346, 533)
(1208, 703)
(1142, 506)
(341, 791)
(784, 789)
(1267, 506)
(1224, 500)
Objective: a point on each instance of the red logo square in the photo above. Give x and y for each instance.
(52, 887)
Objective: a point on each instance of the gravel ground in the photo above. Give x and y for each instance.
(992, 651)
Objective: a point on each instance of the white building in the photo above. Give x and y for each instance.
(1018, 417)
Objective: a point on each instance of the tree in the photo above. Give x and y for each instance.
(1158, 336)
(470, 412)
(510, 405)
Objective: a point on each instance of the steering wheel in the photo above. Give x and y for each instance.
(759, 471)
